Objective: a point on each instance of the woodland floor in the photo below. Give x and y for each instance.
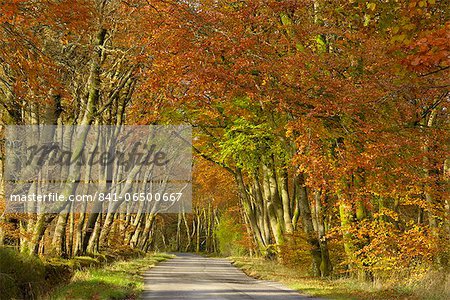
(119, 280)
(341, 289)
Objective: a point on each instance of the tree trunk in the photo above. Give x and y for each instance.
(286, 202)
(325, 264)
(250, 212)
(275, 212)
(59, 236)
(308, 227)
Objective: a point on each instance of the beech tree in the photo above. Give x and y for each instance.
(324, 121)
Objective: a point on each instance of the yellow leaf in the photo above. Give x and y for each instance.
(410, 26)
(371, 6)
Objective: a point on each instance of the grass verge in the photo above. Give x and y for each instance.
(339, 289)
(119, 280)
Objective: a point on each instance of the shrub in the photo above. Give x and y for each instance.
(21, 275)
(230, 236)
(58, 272)
(434, 285)
(84, 262)
(295, 251)
(8, 287)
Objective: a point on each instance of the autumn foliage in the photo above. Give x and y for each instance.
(320, 127)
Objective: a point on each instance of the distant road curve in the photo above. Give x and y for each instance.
(190, 276)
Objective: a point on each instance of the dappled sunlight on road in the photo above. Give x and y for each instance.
(194, 277)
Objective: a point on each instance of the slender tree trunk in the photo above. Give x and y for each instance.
(59, 236)
(93, 241)
(308, 227)
(188, 234)
(197, 247)
(272, 201)
(346, 217)
(70, 241)
(178, 234)
(146, 234)
(325, 264)
(286, 202)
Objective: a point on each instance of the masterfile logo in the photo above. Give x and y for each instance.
(98, 168)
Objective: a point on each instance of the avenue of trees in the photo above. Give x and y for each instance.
(319, 127)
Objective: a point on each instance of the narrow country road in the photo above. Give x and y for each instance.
(191, 276)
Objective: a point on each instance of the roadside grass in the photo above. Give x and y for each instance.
(339, 289)
(118, 280)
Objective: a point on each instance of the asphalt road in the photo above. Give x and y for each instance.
(191, 276)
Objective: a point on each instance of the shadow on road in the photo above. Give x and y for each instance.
(190, 276)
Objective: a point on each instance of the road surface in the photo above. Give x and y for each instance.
(191, 276)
